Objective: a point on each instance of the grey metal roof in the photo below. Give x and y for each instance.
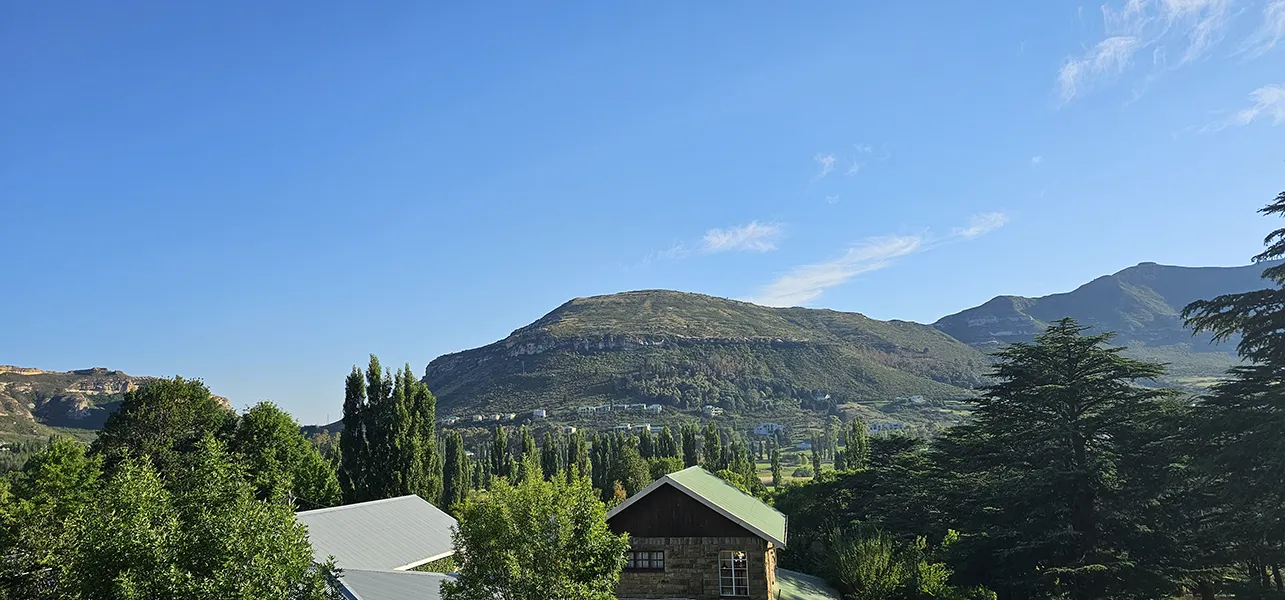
(395, 533)
(392, 585)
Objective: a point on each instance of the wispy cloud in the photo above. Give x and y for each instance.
(1191, 27)
(1267, 103)
(677, 251)
(832, 199)
(826, 161)
(1271, 31)
(1037, 159)
(750, 237)
(979, 225)
(806, 283)
(1105, 61)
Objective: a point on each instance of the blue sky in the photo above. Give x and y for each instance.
(261, 194)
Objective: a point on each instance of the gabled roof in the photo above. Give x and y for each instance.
(722, 497)
(395, 533)
(392, 585)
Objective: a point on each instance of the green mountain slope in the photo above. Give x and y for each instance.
(1142, 304)
(684, 351)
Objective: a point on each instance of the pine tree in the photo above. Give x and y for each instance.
(1239, 428)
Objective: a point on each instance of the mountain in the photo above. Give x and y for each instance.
(34, 401)
(684, 351)
(1142, 304)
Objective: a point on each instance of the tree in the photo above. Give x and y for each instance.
(872, 565)
(203, 537)
(1239, 427)
(858, 449)
(536, 540)
(816, 460)
(56, 484)
(712, 448)
(162, 420)
(776, 466)
(550, 456)
(691, 445)
(666, 446)
(353, 447)
(455, 476)
(1038, 471)
(840, 461)
(578, 454)
(501, 461)
(282, 464)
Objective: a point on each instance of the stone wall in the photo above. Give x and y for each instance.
(691, 568)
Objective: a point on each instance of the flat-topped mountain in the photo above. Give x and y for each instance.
(32, 400)
(684, 351)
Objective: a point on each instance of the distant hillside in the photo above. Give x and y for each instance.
(33, 401)
(685, 350)
(1142, 304)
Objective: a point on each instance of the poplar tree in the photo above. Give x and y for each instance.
(691, 445)
(550, 456)
(455, 473)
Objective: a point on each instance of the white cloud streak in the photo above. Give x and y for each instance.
(1035, 160)
(827, 164)
(1106, 61)
(1193, 27)
(1267, 103)
(1271, 31)
(750, 237)
(806, 283)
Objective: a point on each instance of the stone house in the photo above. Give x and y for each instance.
(694, 536)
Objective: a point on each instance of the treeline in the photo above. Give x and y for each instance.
(1075, 478)
(178, 498)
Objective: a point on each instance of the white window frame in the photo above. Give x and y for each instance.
(733, 580)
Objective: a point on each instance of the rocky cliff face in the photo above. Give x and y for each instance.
(81, 399)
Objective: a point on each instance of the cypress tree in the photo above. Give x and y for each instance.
(528, 445)
(776, 466)
(858, 449)
(455, 476)
(712, 449)
(578, 454)
(550, 456)
(666, 446)
(353, 450)
(691, 445)
(501, 460)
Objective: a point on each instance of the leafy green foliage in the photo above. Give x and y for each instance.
(282, 463)
(536, 540)
(161, 421)
(389, 441)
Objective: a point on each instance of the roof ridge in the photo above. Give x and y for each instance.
(420, 573)
(355, 505)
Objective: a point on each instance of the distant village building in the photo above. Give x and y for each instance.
(768, 428)
(478, 418)
(804, 446)
(621, 427)
(653, 409)
(510, 416)
(569, 430)
(710, 410)
(538, 413)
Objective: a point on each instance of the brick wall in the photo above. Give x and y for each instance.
(691, 568)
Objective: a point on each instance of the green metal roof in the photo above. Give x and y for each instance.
(797, 586)
(724, 498)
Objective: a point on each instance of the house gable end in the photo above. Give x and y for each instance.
(667, 511)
